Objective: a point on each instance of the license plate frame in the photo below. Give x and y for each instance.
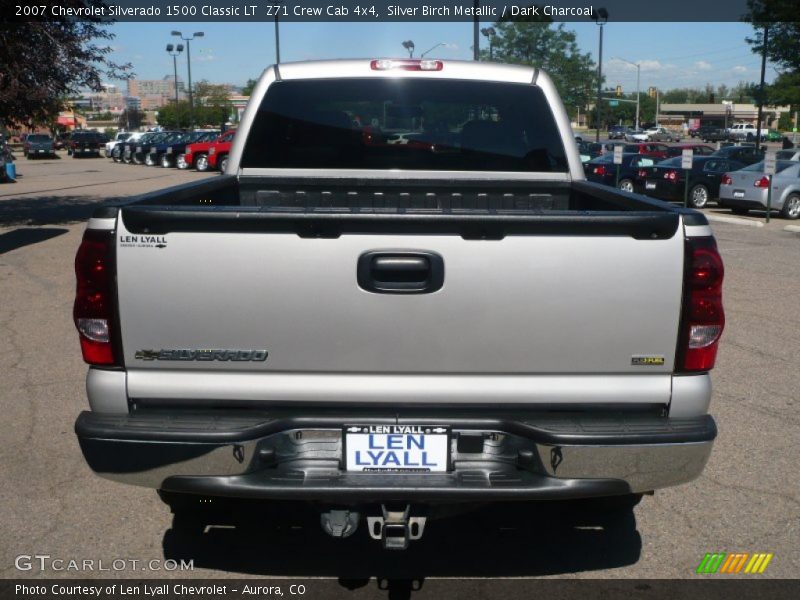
(738, 193)
(650, 185)
(357, 437)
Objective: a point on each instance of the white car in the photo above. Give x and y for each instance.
(636, 135)
(661, 134)
(121, 136)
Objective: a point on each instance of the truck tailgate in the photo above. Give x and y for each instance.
(533, 317)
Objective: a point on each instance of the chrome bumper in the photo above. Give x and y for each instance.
(520, 457)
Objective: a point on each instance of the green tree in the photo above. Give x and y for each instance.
(44, 61)
(554, 50)
(174, 117)
(248, 88)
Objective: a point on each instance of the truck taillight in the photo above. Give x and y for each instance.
(726, 180)
(762, 183)
(94, 297)
(703, 317)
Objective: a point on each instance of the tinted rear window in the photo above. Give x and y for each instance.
(405, 124)
(38, 138)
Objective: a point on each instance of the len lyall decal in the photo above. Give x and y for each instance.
(734, 562)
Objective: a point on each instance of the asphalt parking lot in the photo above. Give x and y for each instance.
(747, 500)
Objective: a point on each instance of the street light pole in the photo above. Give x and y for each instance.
(761, 89)
(432, 49)
(196, 34)
(638, 72)
(277, 35)
(476, 24)
(490, 32)
(174, 56)
(600, 18)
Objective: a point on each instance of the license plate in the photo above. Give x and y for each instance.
(396, 448)
(138, 148)
(738, 193)
(650, 185)
(41, 151)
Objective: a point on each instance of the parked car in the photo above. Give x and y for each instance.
(711, 133)
(635, 135)
(589, 150)
(118, 152)
(119, 137)
(219, 150)
(661, 134)
(744, 131)
(169, 152)
(617, 132)
(61, 141)
(667, 180)
(292, 333)
(83, 143)
(603, 170)
(653, 149)
(743, 154)
(698, 149)
(196, 154)
(38, 145)
(158, 147)
(141, 150)
(133, 147)
(747, 189)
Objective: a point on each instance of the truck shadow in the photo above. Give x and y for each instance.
(514, 539)
(17, 238)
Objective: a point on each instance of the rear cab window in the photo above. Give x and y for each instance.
(397, 123)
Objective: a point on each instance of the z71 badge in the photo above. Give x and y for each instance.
(189, 354)
(647, 361)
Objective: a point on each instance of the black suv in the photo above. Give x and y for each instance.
(82, 143)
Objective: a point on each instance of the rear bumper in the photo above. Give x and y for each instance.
(745, 203)
(298, 456)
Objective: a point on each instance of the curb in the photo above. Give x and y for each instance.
(735, 221)
(792, 228)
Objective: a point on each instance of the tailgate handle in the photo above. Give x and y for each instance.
(400, 272)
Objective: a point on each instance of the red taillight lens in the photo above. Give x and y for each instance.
(762, 183)
(671, 175)
(408, 64)
(642, 174)
(94, 297)
(726, 180)
(601, 170)
(703, 317)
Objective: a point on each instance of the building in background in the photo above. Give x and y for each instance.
(155, 93)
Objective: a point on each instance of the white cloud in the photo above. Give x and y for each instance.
(739, 69)
(702, 65)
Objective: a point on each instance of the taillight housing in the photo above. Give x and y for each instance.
(94, 311)
(406, 64)
(601, 170)
(642, 173)
(762, 183)
(702, 318)
(671, 175)
(726, 180)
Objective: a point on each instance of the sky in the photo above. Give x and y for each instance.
(671, 54)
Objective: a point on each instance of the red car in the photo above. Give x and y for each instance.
(653, 149)
(219, 150)
(196, 155)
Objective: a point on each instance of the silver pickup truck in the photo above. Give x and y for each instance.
(387, 329)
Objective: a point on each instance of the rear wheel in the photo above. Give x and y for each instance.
(791, 207)
(740, 211)
(165, 162)
(698, 196)
(223, 164)
(626, 185)
(201, 164)
(181, 162)
(150, 161)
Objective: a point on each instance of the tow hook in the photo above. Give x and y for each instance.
(396, 528)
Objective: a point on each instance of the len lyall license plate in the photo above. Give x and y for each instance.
(396, 448)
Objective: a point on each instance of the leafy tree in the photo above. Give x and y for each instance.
(248, 88)
(174, 116)
(781, 17)
(554, 49)
(44, 61)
